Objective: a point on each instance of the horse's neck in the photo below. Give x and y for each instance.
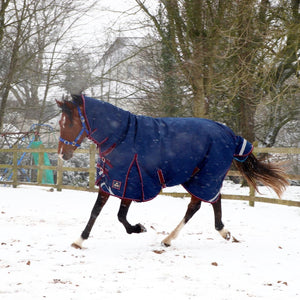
(108, 120)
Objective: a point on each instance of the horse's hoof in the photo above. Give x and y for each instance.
(74, 245)
(138, 228)
(165, 243)
(78, 243)
(225, 234)
(142, 228)
(228, 236)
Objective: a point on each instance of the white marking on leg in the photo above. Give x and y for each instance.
(225, 234)
(78, 243)
(173, 235)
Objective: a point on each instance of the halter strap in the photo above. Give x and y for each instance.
(83, 129)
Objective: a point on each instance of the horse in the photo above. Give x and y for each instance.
(140, 155)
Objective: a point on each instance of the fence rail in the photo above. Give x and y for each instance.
(59, 169)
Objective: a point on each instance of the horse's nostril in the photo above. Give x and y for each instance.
(67, 156)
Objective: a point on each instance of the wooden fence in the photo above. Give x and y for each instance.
(59, 169)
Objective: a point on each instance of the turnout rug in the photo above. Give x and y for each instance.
(139, 155)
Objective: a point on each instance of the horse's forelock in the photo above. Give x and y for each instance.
(68, 105)
(67, 110)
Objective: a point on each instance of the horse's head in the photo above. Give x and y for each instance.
(72, 128)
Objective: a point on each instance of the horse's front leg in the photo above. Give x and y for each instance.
(122, 216)
(217, 206)
(100, 202)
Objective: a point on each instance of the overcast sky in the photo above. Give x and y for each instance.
(107, 20)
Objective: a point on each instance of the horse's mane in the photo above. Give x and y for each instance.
(76, 100)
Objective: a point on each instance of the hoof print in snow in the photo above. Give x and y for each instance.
(214, 264)
(159, 251)
(234, 240)
(282, 282)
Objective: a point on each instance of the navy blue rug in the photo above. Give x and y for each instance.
(140, 155)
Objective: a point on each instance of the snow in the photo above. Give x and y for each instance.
(37, 262)
(107, 20)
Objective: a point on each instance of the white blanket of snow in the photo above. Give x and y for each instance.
(37, 262)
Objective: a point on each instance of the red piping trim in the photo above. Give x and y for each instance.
(127, 175)
(161, 178)
(245, 154)
(207, 201)
(141, 178)
(123, 198)
(196, 170)
(109, 150)
(89, 127)
(84, 114)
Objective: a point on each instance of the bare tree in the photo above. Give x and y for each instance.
(191, 40)
(282, 103)
(33, 44)
(235, 56)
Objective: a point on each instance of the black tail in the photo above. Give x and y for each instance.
(268, 174)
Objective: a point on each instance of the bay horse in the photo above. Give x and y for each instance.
(139, 155)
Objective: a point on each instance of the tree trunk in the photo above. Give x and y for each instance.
(6, 86)
(4, 5)
(199, 103)
(247, 120)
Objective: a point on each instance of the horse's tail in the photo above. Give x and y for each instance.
(269, 174)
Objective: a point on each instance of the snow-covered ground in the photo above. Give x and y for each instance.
(37, 262)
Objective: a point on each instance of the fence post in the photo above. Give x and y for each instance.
(15, 166)
(252, 196)
(59, 174)
(40, 164)
(92, 170)
(252, 190)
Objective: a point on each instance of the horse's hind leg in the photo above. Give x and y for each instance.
(100, 202)
(193, 207)
(217, 206)
(122, 216)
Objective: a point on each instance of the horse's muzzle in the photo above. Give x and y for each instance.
(65, 156)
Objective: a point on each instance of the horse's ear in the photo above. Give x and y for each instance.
(59, 103)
